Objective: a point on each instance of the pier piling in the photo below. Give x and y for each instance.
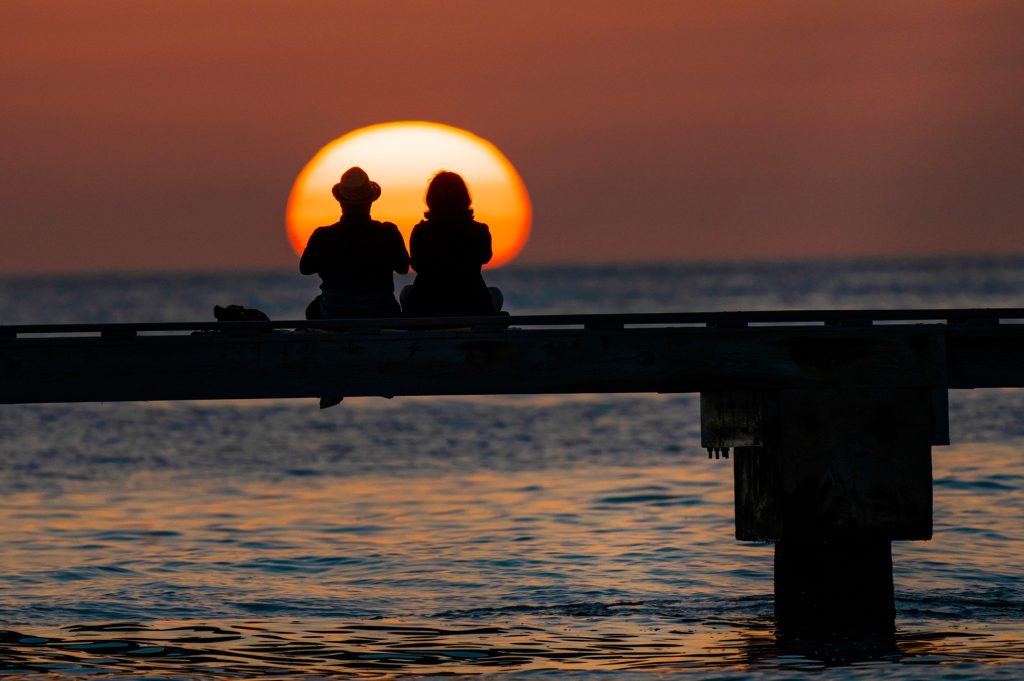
(832, 476)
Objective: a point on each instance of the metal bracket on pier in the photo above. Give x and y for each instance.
(718, 452)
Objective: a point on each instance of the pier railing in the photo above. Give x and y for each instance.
(672, 352)
(737, 319)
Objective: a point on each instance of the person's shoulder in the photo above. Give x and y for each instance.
(392, 232)
(318, 233)
(326, 229)
(385, 225)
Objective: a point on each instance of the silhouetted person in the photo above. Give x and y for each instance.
(356, 256)
(447, 250)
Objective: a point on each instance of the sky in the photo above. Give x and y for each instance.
(141, 136)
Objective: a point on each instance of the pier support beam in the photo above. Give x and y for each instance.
(832, 475)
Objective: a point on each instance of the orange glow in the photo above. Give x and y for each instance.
(402, 157)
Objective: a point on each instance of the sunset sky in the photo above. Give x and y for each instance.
(139, 136)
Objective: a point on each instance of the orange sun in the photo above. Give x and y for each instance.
(402, 157)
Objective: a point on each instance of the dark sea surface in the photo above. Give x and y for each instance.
(581, 536)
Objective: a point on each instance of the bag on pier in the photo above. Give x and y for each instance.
(239, 313)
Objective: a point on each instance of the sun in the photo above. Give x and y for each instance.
(402, 157)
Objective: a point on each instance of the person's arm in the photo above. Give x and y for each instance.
(401, 256)
(485, 245)
(415, 249)
(308, 262)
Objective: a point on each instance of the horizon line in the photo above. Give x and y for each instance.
(537, 265)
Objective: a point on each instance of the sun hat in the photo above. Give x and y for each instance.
(355, 187)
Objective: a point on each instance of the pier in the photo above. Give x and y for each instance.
(828, 416)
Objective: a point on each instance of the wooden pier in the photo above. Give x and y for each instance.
(830, 415)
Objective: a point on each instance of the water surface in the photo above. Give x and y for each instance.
(581, 535)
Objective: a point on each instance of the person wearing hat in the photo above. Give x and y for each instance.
(356, 256)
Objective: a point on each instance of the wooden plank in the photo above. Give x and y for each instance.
(757, 489)
(986, 357)
(220, 366)
(849, 463)
(940, 416)
(750, 418)
(856, 464)
(737, 418)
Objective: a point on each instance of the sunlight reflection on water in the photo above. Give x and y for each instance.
(564, 566)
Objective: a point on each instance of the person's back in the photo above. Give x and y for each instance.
(448, 250)
(449, 253)
(355, 257)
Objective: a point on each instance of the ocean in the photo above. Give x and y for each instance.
(579, 536)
